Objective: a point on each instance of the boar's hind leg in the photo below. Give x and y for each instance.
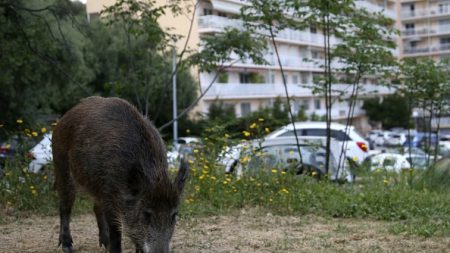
(66, 191)
(103, 230)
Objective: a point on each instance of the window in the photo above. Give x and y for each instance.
(315, 55)
(244, 77)
(305, 104)
(318, 132)
(409, 29)
(222, 14)
(245, 109)
(413, 44)
(304, 78)
(295, 79)
(409, 26)
(313, 29)
(207, 12)
(445, 41)
(444, 7)
(317, 104)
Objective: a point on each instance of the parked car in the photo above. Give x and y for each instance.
(14, 145)
(183, 149)
(394, 139)
(41, 154)
(356, 146)
(283, 153)
(421, 140)
(394, 162)
(444, 145)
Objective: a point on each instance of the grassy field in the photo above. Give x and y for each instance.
(246, 230)
(268, 211)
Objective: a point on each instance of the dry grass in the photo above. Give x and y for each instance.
(244, 231)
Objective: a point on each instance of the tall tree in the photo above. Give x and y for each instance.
(40, 58)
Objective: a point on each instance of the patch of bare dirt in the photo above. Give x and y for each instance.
(247, 231)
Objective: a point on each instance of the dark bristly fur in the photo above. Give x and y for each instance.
(106, 147)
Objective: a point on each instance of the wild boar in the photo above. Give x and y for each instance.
(106, 148)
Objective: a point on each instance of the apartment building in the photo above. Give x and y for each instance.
(425, 32)
(248, 87)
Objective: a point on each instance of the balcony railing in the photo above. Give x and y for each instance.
(425, 13)
(273, 90)
(371, 7)
(220, 23)
(441, 47)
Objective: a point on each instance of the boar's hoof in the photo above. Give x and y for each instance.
(68, 249)
(103, 239)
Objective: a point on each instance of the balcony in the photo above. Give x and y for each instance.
(426, 31)
(371, 7)
(211, 23)
(428, 50)
(273, 90)
(432, 12)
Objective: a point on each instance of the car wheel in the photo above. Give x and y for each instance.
(309, 170)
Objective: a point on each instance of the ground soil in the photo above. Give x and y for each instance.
(244, 231)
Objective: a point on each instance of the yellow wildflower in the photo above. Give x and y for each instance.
(197, 188)
(283, 173)
(245, 159)
(19, 121)
(274, 171)
(191, 162)
(355, 159)
(270, 199)
(45, 177)
(206, 138)
(260, 119)
(228, 179)
(284, 190)
(43, 130)
(253, 126)
(1, 125)
(246, 133)
(31, 187)
(205, 167)
(314, 173)
(227, 136)
(385, 181)
(34, 192)
(34, 133)
(213, 178)
(225, 182)
(196, 151)
(201, 177)
(267, 130)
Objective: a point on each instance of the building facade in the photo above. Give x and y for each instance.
(425, 32)
(248, 87)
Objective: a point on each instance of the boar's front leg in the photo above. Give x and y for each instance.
(103, 230)
(115, 234)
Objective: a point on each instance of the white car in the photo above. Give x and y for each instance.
(41, 154)
(444, 145)
(395, 162)
(394, 139)
(282, 153)
(356, 147)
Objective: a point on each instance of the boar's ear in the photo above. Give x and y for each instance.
(182, 175)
